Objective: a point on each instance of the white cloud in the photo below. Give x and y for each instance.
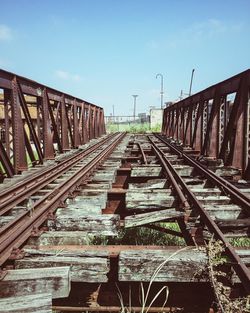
(153, 44)
(211, 27)
(208, 29)
(67, 76)
(5, 32)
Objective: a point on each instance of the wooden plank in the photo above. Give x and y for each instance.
(149, 199)
(105, 225)
(104, 176)
(194, 182)
(183, 170)
(146, 218)
(224, 212)
(21, 282)
(111, 163)
(205, 192)
(103, 251)
(89, 198)
(244, 254)
(34, 303)
(81, 252)
(226, 171)
(79, 209)
(145, 170)
(150, 184)
(236, 223)
(102, 186)
(213, 200)
(56, 238)
(85, 266)
(181, 267)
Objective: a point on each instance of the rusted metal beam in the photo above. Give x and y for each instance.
(48, 148)
(20, 161)
(35, 116)
(28, 119)
(113, 309)
(218, 126)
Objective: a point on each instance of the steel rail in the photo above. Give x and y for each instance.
(21, 230)
(144, 159)
(184, 205)
(13, 195)
(240, 268)
(114, 309)
(237, 195)
(46, 196)
(164, 162)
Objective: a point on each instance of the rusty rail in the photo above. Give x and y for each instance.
(223, 184)
(13, 195)
(215, 121)
(43, 121)
(143, 156)
(22, 226)
(113, 309)
(239, 267)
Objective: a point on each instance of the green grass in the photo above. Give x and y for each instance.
(132, 127)
(241, 242)
(27, 158)
(143, 236)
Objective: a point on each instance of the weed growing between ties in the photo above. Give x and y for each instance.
(219, 280)
(240, 242)
(145, 291)
(143, 236)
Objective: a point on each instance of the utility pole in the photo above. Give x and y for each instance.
(161, 93)
(191, 82)
(134, 96)
(181, 95)
(113, 113)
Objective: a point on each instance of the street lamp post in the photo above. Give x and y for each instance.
(191, 82)
(135, 96)
(161, 76)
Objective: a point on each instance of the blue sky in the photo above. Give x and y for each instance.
(106, 50)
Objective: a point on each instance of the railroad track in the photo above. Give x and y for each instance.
(64, 216)
(26, 205)
(226, 198)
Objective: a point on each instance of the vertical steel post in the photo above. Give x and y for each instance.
(48, 148)
(64, 126)
(20, 160)
(7, 122)
(76, 126)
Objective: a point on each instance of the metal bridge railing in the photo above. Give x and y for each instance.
(37, 121)
(215, 121)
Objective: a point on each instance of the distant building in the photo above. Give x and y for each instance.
(142, 117)
(156, 116)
